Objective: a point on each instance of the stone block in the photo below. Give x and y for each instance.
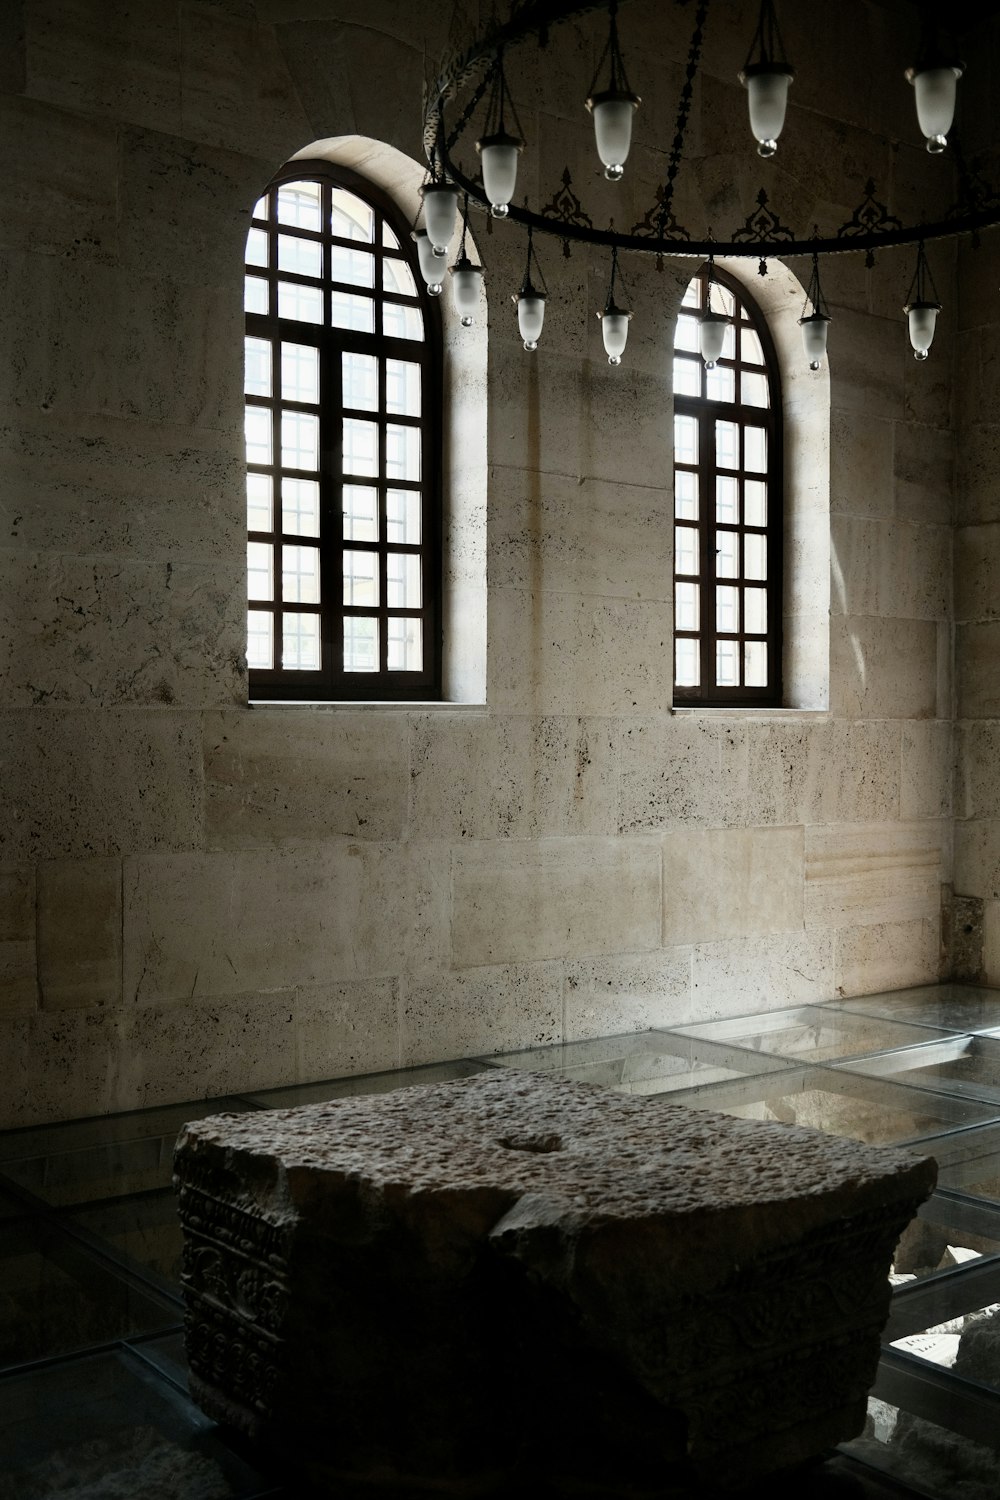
(924, 473)
(887, 956)
(104, 633)
(634, 992)
(18, 984)
(576, 654)
(59, 1065)
(977, 746)
(928, 385)
(977, 498)
(565, 898)
(977, 857)
(511, 776)
(61, 168)
(733, 882)
(977, 568)
(746, 976)
(276, 776)
(925, 788)
(990, 973)
(80, 783)
(80, 932)
(861, 464)
(882, 668)
(977, 669)
(206, 1049)
(890, 568)
(343, 1029)
(866, 874)
(478, 1011)
(816, 771)
(869, 372)
(681, 769)
(634, 1254)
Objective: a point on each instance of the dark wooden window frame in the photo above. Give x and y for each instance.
(707, 412)
(331, 682)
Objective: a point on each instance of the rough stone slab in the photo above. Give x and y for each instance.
(443, 1288)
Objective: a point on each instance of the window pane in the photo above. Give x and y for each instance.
(260, 639)
(686, 666)
(300, 507)
(402, 388)
(726, 549)
(255, 295)
(257, 422)
(754, 502)
(685, 549)
(723, 300)
(350, 218)
(750, 351)
(348, 310)
(389, 240)
(360, 577)
(727, 445)
(692, 294)
(402, 517)
(360, 644)
(720, 384)
(404, 644)
(356, 267)
(360, 447)
(687, 377)
(686, 606)
(397, 277)
(685, 495)
(402, 452)
(729, 343)
(260, 209)
(300, 575)
(685, 440)
(402, 580)
(361, 513)
(402, 322)
(257, 367)
(755, 663)
(359, 373)
(260, 502)
(727, 609)
(299, 204)
(754, 389)
(300, 642)
(300, 373)
(302, 257)
(754, 556)
(755, 611)
(727, 495)
(727, 664)
(299, 440)
(257, 247)
(755, 449)
(304, 304)
(686, 335)
(260, 570)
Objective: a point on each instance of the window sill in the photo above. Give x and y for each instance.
(367, 705)
(751, 711)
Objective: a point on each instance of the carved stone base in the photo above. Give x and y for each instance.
(513, 1278)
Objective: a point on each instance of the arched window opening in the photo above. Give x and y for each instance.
(343, 403)
(727, 506)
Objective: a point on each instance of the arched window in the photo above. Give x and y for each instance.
(727, 506)
(343, 401)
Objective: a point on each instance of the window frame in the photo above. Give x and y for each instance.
(331, 682)
(707, 411)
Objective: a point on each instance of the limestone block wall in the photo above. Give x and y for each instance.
(196, 895)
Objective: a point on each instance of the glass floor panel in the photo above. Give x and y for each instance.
(365, 1083)
(646, 1062)
(924, 1457)
(57, 1297)
(968, 1066)
(945, 1007)
(810, 1033)
(99, 1130)
(948, 1231)
(143, 1231)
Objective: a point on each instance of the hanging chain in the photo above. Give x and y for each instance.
(683, 112)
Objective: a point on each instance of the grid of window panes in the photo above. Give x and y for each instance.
(727, 501)
(341, 383)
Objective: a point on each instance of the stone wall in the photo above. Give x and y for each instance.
(198, 896)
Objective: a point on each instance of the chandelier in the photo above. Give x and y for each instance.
(473, 141)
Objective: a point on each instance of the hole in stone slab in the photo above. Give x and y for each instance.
(539, 1143)
(967, 928)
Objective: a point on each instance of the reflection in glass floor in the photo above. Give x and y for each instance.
(92, 1372)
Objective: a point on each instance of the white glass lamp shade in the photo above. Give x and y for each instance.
(612, 112)
(711, 335)
(498, 154)
(466, 279)
(614, 331)
(921, 319)
(431, 266)
(815, 328)
(935, 90)
(440, 209)
(767, 95)
(530, 316)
